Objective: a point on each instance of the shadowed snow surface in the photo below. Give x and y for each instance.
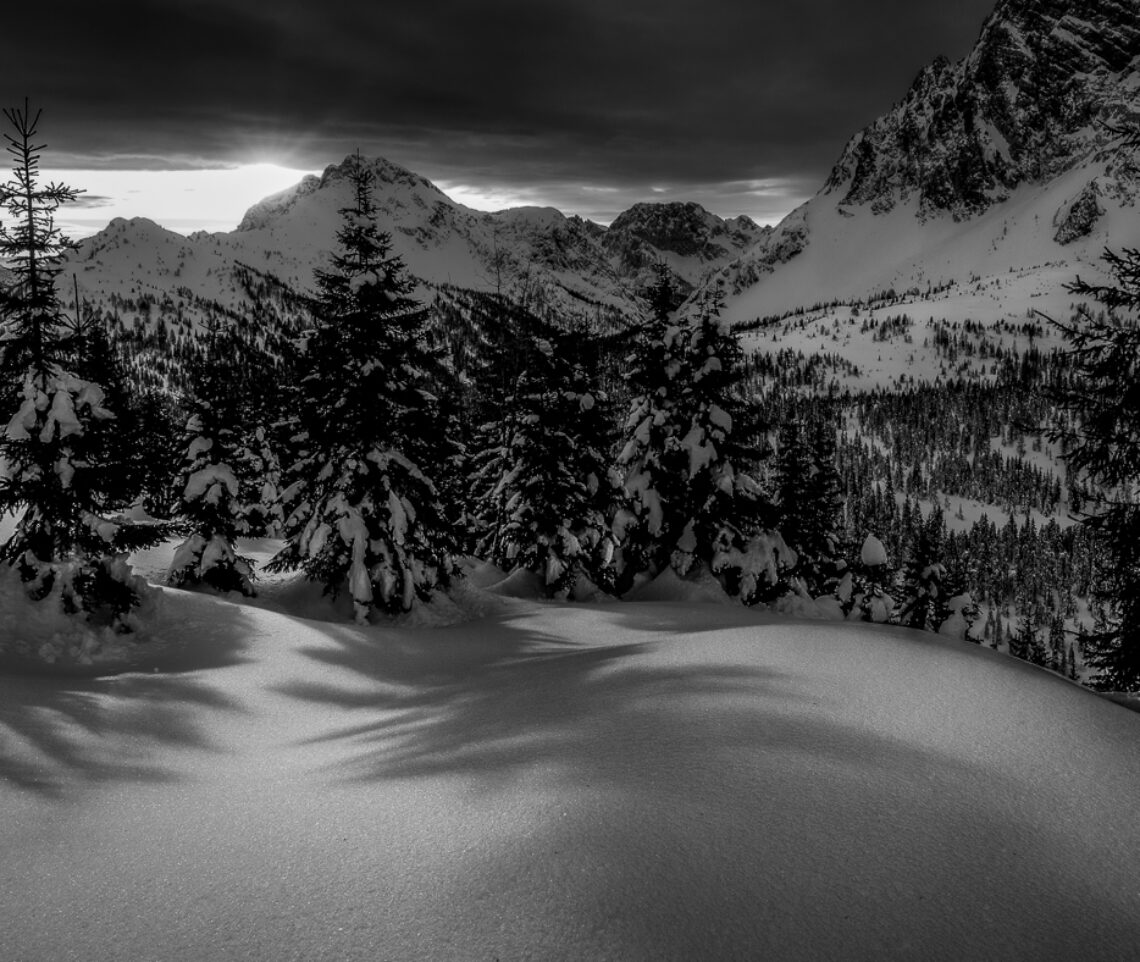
(647, 780)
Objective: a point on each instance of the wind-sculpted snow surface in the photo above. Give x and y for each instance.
(653, 780)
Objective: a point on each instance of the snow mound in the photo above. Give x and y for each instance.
(697, 587)
(40, 633)
(629, 781)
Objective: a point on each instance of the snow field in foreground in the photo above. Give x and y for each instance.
(662, 779)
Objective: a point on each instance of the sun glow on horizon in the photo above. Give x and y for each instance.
(209, 199)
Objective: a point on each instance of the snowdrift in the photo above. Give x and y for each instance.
(650, 780)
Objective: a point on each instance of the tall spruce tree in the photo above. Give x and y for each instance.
(222, 474)
(542, 477)
(1103, 445)
(95, 357)
(363, 515)
(923, 601)
(66, 544)
(809, 502)
(651, 464)
(691, 450)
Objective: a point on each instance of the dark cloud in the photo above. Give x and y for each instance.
(87, 201)
(525, 93)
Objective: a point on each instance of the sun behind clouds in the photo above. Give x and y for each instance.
(212, 199)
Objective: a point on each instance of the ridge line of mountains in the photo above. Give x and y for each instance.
(1003, 165)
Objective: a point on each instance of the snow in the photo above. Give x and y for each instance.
(701, 452)
(858, 252)
(1002, 266)
(200, 445)
(35, 635)
(873, 553)
(663, 779)
(208, 483)
(958, 624)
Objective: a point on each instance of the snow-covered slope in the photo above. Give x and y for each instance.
(624, 781)
(999, 165)
(999, 176)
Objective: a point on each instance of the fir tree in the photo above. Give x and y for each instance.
(809, 502)
(65, 545)
(220, 480)
(543, 476)
(363, 513)
(1102, 445)
(94, 357)
(1071, 665)
(1057, 645)
(689, 453)
(923, 578)
(866, 588)
(651, 465)
(726, 507)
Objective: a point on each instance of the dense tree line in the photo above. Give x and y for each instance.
(383, 436)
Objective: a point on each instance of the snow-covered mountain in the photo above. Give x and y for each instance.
(534, 254)
(988, 187)
(1003, 167)
(1029, 102)
(684, 236)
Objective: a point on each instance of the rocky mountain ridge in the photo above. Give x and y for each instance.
(539, 256)
(1041, 91)
(1003, 165)
(1021, 138)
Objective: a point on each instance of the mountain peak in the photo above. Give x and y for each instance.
(385, 172)
(1029, 101)
(268, 208)
(684, 228)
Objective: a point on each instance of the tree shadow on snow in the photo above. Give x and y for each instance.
(63, 728)
(684, 808)
(496, 704)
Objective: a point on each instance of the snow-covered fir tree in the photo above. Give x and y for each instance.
(542, 477)
(651, 463)
(809, 502)
(221, 479)
(688, 461)
(362, 513)
(865, 589)
(59, 475)
(1102, 445)
(95, 358)
(923, 603)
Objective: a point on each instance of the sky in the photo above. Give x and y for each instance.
(585, 105)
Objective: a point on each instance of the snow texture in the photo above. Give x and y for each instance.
(873, 554)
(666, 779)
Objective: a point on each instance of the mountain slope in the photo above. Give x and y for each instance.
(1002, 162)
(1030, 101)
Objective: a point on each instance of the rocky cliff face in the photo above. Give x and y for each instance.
(685, 236)
(1032, 116)
(645, 231)
(1037, 95)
